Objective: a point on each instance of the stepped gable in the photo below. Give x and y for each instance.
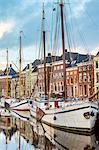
(11, 71)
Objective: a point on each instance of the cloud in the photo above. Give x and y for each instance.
(95, 51)
(29, 54)
(78, 8)
(5, 27)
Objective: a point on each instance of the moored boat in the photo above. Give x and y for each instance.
(23, 115)
(20, 105)
(76, 116)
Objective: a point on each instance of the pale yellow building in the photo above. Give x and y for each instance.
(15, 85)
(31, 80)
(34, 81)
(28, 80)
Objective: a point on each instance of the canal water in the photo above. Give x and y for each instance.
(18, 131)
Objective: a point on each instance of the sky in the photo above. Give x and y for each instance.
(25, 15)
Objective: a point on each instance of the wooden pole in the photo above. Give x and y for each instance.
(20, 64)
(44, 47)
(63, 48)
(7, 74)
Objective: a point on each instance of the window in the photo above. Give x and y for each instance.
(55, 87)
(75, 79)
(80, 89)
(80, 68)
(61, 83)
(67, 80)
(67, 73)
(97, 77)
(58, 67)
(84, 68)
(85, 89)
(59, 75)
(54, 67)
(71, 91)
(89, 67)
(75, 91)
(71, 79)
(54, 75)
(58, 87)
(62, 88)
(71, 72)
(75, 72)
(85, 78)
(96, 64)
(97, 93)
(80, 77)
(89, 77)
(61, 66)
(62, 75)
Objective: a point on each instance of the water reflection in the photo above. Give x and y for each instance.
(21, 132)
(64, 140)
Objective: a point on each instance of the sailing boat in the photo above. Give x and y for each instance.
(77, 116)
(19, 104)
(5, 101)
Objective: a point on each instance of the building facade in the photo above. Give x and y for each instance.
(3, 85)
(15, 85)
(96, 73)
(41, 86)
(34, 82)
(85, 79)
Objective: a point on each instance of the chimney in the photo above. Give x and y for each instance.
(10, 65)
(49, 54)
(65, 50)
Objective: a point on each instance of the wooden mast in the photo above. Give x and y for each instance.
(20, 64)
(6, 132)
(7, 74)
(19, 144)
(63, 48)
(44, 47)
(20, 67)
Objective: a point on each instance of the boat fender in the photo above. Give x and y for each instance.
(31, 102)
(87, 115)
(54, 118)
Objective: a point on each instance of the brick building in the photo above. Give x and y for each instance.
(55, 75)
(85, 79)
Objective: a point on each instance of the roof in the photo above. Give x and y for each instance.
(75, 58)
(97, 54)
(71, 57)
(34, 64)
(11, 71)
